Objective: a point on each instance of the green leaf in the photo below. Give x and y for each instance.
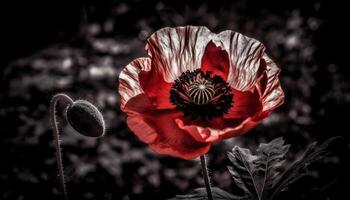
(201, 194)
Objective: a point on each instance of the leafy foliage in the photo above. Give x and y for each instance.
(255, 173)
(259, 175)
(299, 168)
(270, 158)
(243, 170)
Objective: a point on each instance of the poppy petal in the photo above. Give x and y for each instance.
(271, 90)
(215, 60)
(244, 54)
(129, 83)
(176, 50)
(137, 77)
(245, 104)
(158, 129)
(156, 89)
(216, 131)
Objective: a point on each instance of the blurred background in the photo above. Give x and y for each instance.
(79, 48)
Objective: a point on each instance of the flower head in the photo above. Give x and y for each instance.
(197, 88)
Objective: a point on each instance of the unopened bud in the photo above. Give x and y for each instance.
(86, 119)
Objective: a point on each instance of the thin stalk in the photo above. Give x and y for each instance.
(56, 136)
(206, 177)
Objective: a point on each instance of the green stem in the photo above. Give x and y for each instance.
(56, 136)
(206, 177)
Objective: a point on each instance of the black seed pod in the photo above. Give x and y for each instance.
(86, 119)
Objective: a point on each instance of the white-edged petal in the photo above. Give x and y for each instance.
(129, 83)
(244, 55)
(176, 50)
(273, 95)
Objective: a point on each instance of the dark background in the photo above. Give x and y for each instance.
(79, 48)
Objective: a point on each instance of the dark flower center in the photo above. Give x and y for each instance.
(201, 94)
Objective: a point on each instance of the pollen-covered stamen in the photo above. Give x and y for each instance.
(201, 94)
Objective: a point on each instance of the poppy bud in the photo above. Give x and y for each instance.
(86, 119)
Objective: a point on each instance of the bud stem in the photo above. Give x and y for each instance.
(206, 176)
(56, 136)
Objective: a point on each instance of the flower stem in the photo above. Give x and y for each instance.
(206, 177)
(56, 136)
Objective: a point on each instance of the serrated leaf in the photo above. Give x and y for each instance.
(270, 158)
(254, 174)
(299, 169)
(242, 170)
(201, 194)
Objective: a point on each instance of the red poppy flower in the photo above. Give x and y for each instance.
(197, 88)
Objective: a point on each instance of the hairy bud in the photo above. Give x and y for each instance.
(86, 119)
